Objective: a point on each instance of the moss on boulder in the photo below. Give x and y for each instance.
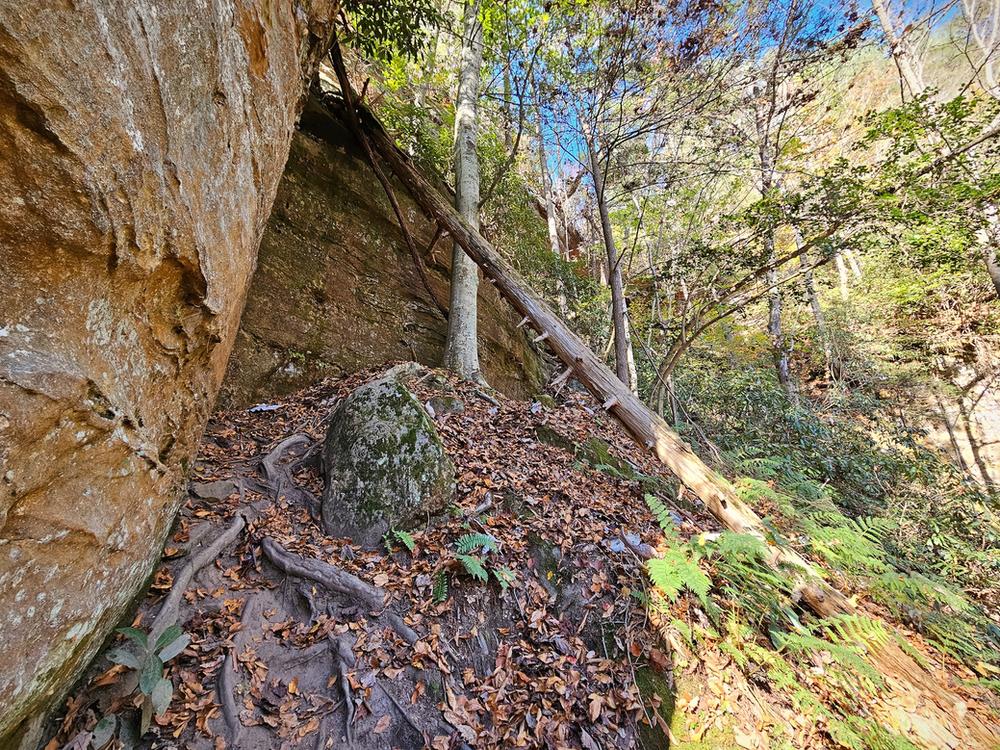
(386, 466)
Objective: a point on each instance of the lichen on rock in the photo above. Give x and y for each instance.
(386, 466)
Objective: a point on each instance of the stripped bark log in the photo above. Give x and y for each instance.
(647, 428)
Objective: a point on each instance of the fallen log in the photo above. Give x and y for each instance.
(646, 427)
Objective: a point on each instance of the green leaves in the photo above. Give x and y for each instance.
(383, 29)
(160, 696)
(104, 731)
(474, 567)
(470, 542)
(676, 571)
(124, 656)
(405, 538)
(174, 647)
(151, 672)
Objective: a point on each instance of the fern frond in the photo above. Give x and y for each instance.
(470, 542)
(474, 567)
(504, 576)
(440, 592)
(674, 572)
(405, 538)
(664, 516)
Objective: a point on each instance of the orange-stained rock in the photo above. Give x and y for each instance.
(141, 144)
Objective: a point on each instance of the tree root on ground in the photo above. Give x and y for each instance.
(168, 613)
(337, 581)
(280, 477)
(225, 689)
(343, 659)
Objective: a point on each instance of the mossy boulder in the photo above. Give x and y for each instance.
(386, 466)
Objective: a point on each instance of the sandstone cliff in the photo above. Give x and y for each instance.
(141, 144)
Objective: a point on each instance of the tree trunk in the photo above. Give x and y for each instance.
(842, 275)
(550, 209)
(462, 347)
(140, 152)
(619, 313)
(647, 428)
(779, 345)
(899, 48)
(809, 282)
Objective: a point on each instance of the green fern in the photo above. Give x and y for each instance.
(663, 517)
(470, 542)
(405, 538)
(440, 592)
(852, 628)
(504, 576)
(676, 571)
(474, 567)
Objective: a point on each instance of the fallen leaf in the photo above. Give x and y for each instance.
(382, 724)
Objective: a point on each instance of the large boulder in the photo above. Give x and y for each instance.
(141, 145)
(386, 466)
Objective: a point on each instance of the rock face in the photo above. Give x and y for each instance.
(385, 465)
(336, 291)
(141, 145)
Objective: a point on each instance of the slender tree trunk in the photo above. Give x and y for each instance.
(852, 262)
(838, 258)
(619, 313)
(779, 345)
(508, 131)
(809, 282)
(902, 54)
(550, 209)
(462, 348)
(988, 245)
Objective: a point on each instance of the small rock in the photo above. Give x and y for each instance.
(217, 490)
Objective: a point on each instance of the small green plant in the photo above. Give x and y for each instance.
(470, 551)
(403, 537)
(148, 660)
(440, 592)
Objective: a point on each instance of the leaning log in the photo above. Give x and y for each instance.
(646, 427)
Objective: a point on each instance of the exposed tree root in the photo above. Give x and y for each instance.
(280, 476)
(225, 688)
(167, 615)
(336, 580)
(343, 658)
(402, 711)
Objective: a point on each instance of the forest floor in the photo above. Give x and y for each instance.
(301, 640)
